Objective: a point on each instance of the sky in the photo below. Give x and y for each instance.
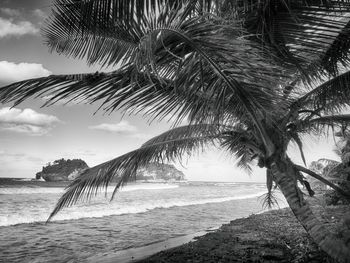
(31, 136)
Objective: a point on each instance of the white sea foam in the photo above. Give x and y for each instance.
(146, 186)
(225, 184)
(60, 190)
(23, 179)
(108, 209)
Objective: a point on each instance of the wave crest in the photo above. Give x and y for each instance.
(111, 209)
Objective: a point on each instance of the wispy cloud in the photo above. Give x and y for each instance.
(11, 72)
(26, 121)
(9, 27)
(10, 159)
(122, 128)
(39, 13)
(10, 12)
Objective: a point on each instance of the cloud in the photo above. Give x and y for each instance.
(86, 153)
(26, 121)
(26, 116)
(12, 155)
(9, 161)
(121, 128)
(25, 129)
(39, 13)
(12, 72)
(10, 12)
(36, 160)
(10, 28)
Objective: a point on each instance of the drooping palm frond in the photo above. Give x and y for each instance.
(169, 146)
(328, 161)
(199, 54)
(195, 54)
(323, 180)
(331, 96)
(108, 31)
(206, 69)
(299, 31)
(296, 138)
(310, 36)
(133, 91)
(269, 200)
(190, 131)
(318, 124)
(244, 145)
(337, 53)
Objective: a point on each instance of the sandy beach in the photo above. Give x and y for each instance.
(273, 236)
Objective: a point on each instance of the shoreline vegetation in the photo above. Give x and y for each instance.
(272, 236)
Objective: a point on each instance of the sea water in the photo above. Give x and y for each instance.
(140, 214)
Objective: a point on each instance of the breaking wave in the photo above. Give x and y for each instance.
(60, 190)
(96, 210)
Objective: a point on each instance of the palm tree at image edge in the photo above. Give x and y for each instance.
(248, 77)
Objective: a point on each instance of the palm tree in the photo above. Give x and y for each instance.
(248, 76)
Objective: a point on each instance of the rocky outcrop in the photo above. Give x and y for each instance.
(158, 171)
(67, 170)
(62, 170)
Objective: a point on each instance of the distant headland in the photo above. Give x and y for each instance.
(67, 170)
(62, 170)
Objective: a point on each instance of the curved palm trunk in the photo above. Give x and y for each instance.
(285, 179)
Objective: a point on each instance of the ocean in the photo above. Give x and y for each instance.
(141, 214)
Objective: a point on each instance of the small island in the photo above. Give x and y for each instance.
(160, 172)
(67, 170)
(62, 170)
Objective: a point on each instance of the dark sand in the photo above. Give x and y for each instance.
(274, 236)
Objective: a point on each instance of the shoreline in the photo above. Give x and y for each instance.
(138, 254)
(272, 236)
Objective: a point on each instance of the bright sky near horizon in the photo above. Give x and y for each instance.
(31, 136)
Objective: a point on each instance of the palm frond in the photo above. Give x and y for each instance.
(134, 91)
(328, 161)
(244, 145)
(193, 56)
(300, 32)
(169, 146)
(110, 31)
(268, 199)
(190, 131)
(245, 161)
(196, 53)
(331, 96)
(323, 180)
(318, 124)
(337, 54)
(72, 31)
(299, 142)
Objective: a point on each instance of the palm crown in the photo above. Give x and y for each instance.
(248, 76)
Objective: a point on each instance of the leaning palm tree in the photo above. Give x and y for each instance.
(246, 76)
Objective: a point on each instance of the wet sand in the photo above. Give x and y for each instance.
(273, 236)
